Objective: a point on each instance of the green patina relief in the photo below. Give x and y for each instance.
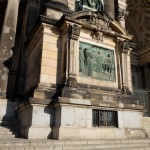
(97, 62)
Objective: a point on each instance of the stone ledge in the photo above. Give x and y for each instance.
(96, 133)
(33, 101)
(97, 103)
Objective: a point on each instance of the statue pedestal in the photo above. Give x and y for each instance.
(35, 119)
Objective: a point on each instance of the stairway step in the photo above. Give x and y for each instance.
(56, 148)
(23, 144)
(7, 136)
(9, 122)
(5, 133)
(4, 129)
(70, 146)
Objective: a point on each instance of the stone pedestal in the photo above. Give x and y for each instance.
(35, 119)
(74, 120)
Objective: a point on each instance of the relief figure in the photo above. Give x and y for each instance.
(99, 60)
(81, 60)
(88, 62)
(108, 64)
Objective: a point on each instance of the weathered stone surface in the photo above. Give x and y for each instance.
(35, 119)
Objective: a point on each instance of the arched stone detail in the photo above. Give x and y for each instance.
(114, 25)
(59, 2)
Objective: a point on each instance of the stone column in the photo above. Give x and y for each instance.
(74, 32)
(125, 68)
(122, 13)
(109, 8)
(7, 42)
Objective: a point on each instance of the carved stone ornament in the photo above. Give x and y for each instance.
(99, 20)
(125, 90)
(75, 31)
(98, 36)
(124, 46)
(122, 14)
(72, 82)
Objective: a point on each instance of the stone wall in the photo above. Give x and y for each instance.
(146, 125)
(51, 56)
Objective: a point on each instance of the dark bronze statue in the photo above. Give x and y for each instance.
(93, 4)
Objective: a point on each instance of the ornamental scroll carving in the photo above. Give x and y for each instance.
(100, 21)
(75, 31)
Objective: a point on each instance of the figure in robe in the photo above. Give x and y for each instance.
(88, 62)
(81, 60)
(99, 60)
(95, 4)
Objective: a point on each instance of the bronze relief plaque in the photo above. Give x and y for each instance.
(96, 62)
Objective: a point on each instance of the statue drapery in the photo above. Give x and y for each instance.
(97, 5)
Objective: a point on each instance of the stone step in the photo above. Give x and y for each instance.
(59, 148)
(8, 123)
(4, 129)
(76, 142)
(7, 136)
(5, 132)
(19, 144)
(9, 128)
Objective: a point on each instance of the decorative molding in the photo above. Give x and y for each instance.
(98, 35)
(124, 46)
(75, 31)
(101, 21)
(72, 82)
(125, 90)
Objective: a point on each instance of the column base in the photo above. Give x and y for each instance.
(35, 119)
